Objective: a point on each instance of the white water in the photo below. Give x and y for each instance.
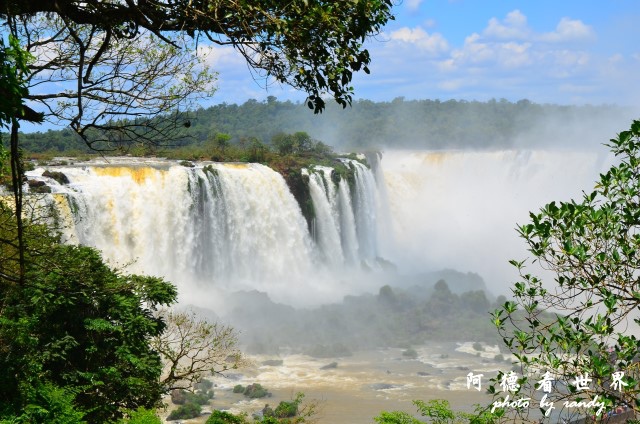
(327, 228)
(459, 209)
(239, 228)
(222, 227)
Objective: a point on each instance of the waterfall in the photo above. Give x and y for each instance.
(325, 205)
(366, 206)
(238, 227)
(335, 220)
(459, 209)
(345, 217)
(228, 226)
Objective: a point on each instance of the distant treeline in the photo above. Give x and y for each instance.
(419, 124)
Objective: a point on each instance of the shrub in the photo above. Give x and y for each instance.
(142, 416)
(224, 417)
(286, 409)
(186, 411)
(204, 385)
(200, 398)
(255, 391)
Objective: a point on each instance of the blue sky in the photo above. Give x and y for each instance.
(547, 51)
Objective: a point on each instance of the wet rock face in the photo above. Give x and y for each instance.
(36, 186)
(36, 183)
(58, 176)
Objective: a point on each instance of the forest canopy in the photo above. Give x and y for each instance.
(409, 124)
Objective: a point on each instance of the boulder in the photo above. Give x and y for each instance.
(55, 175)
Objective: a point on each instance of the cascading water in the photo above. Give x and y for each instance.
(237, 226)
(335, 216)
(326, 220)
(228, 226)
(459, 209)
(366, 206)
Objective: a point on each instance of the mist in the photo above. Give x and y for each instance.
(460, 209)
(453, 179)
(460, 124)
(390, 287)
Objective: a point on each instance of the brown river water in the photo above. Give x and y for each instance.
(364, 384)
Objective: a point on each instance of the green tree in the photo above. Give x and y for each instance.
(302, 142)
(13, 91)
(283, 143)
(299, 142)
(141, 416)
(287, 412)
(81, 327)
(591, 246)
(396, 417)
(442, 301)
(257, 150)
(186, 411)
(313, 46)
(221, 140)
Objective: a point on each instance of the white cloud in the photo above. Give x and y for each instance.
(514, 26)
(433, 44)
(515, 55)
(510, 44)
(569, 30)
(221, 57)
(507, 57)
(477, 52)
(570, 58)
(616, 58)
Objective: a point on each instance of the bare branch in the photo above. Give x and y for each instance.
(192, 349)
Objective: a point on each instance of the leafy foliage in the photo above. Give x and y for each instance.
(141, 416)
(287, 412)
(13, 65)
(366, 125)
(79, 329)
(186, 411)
(224, 417)
(314, 46)
(436, 411)
(591, 247)
(46, 403)
(255, 391)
